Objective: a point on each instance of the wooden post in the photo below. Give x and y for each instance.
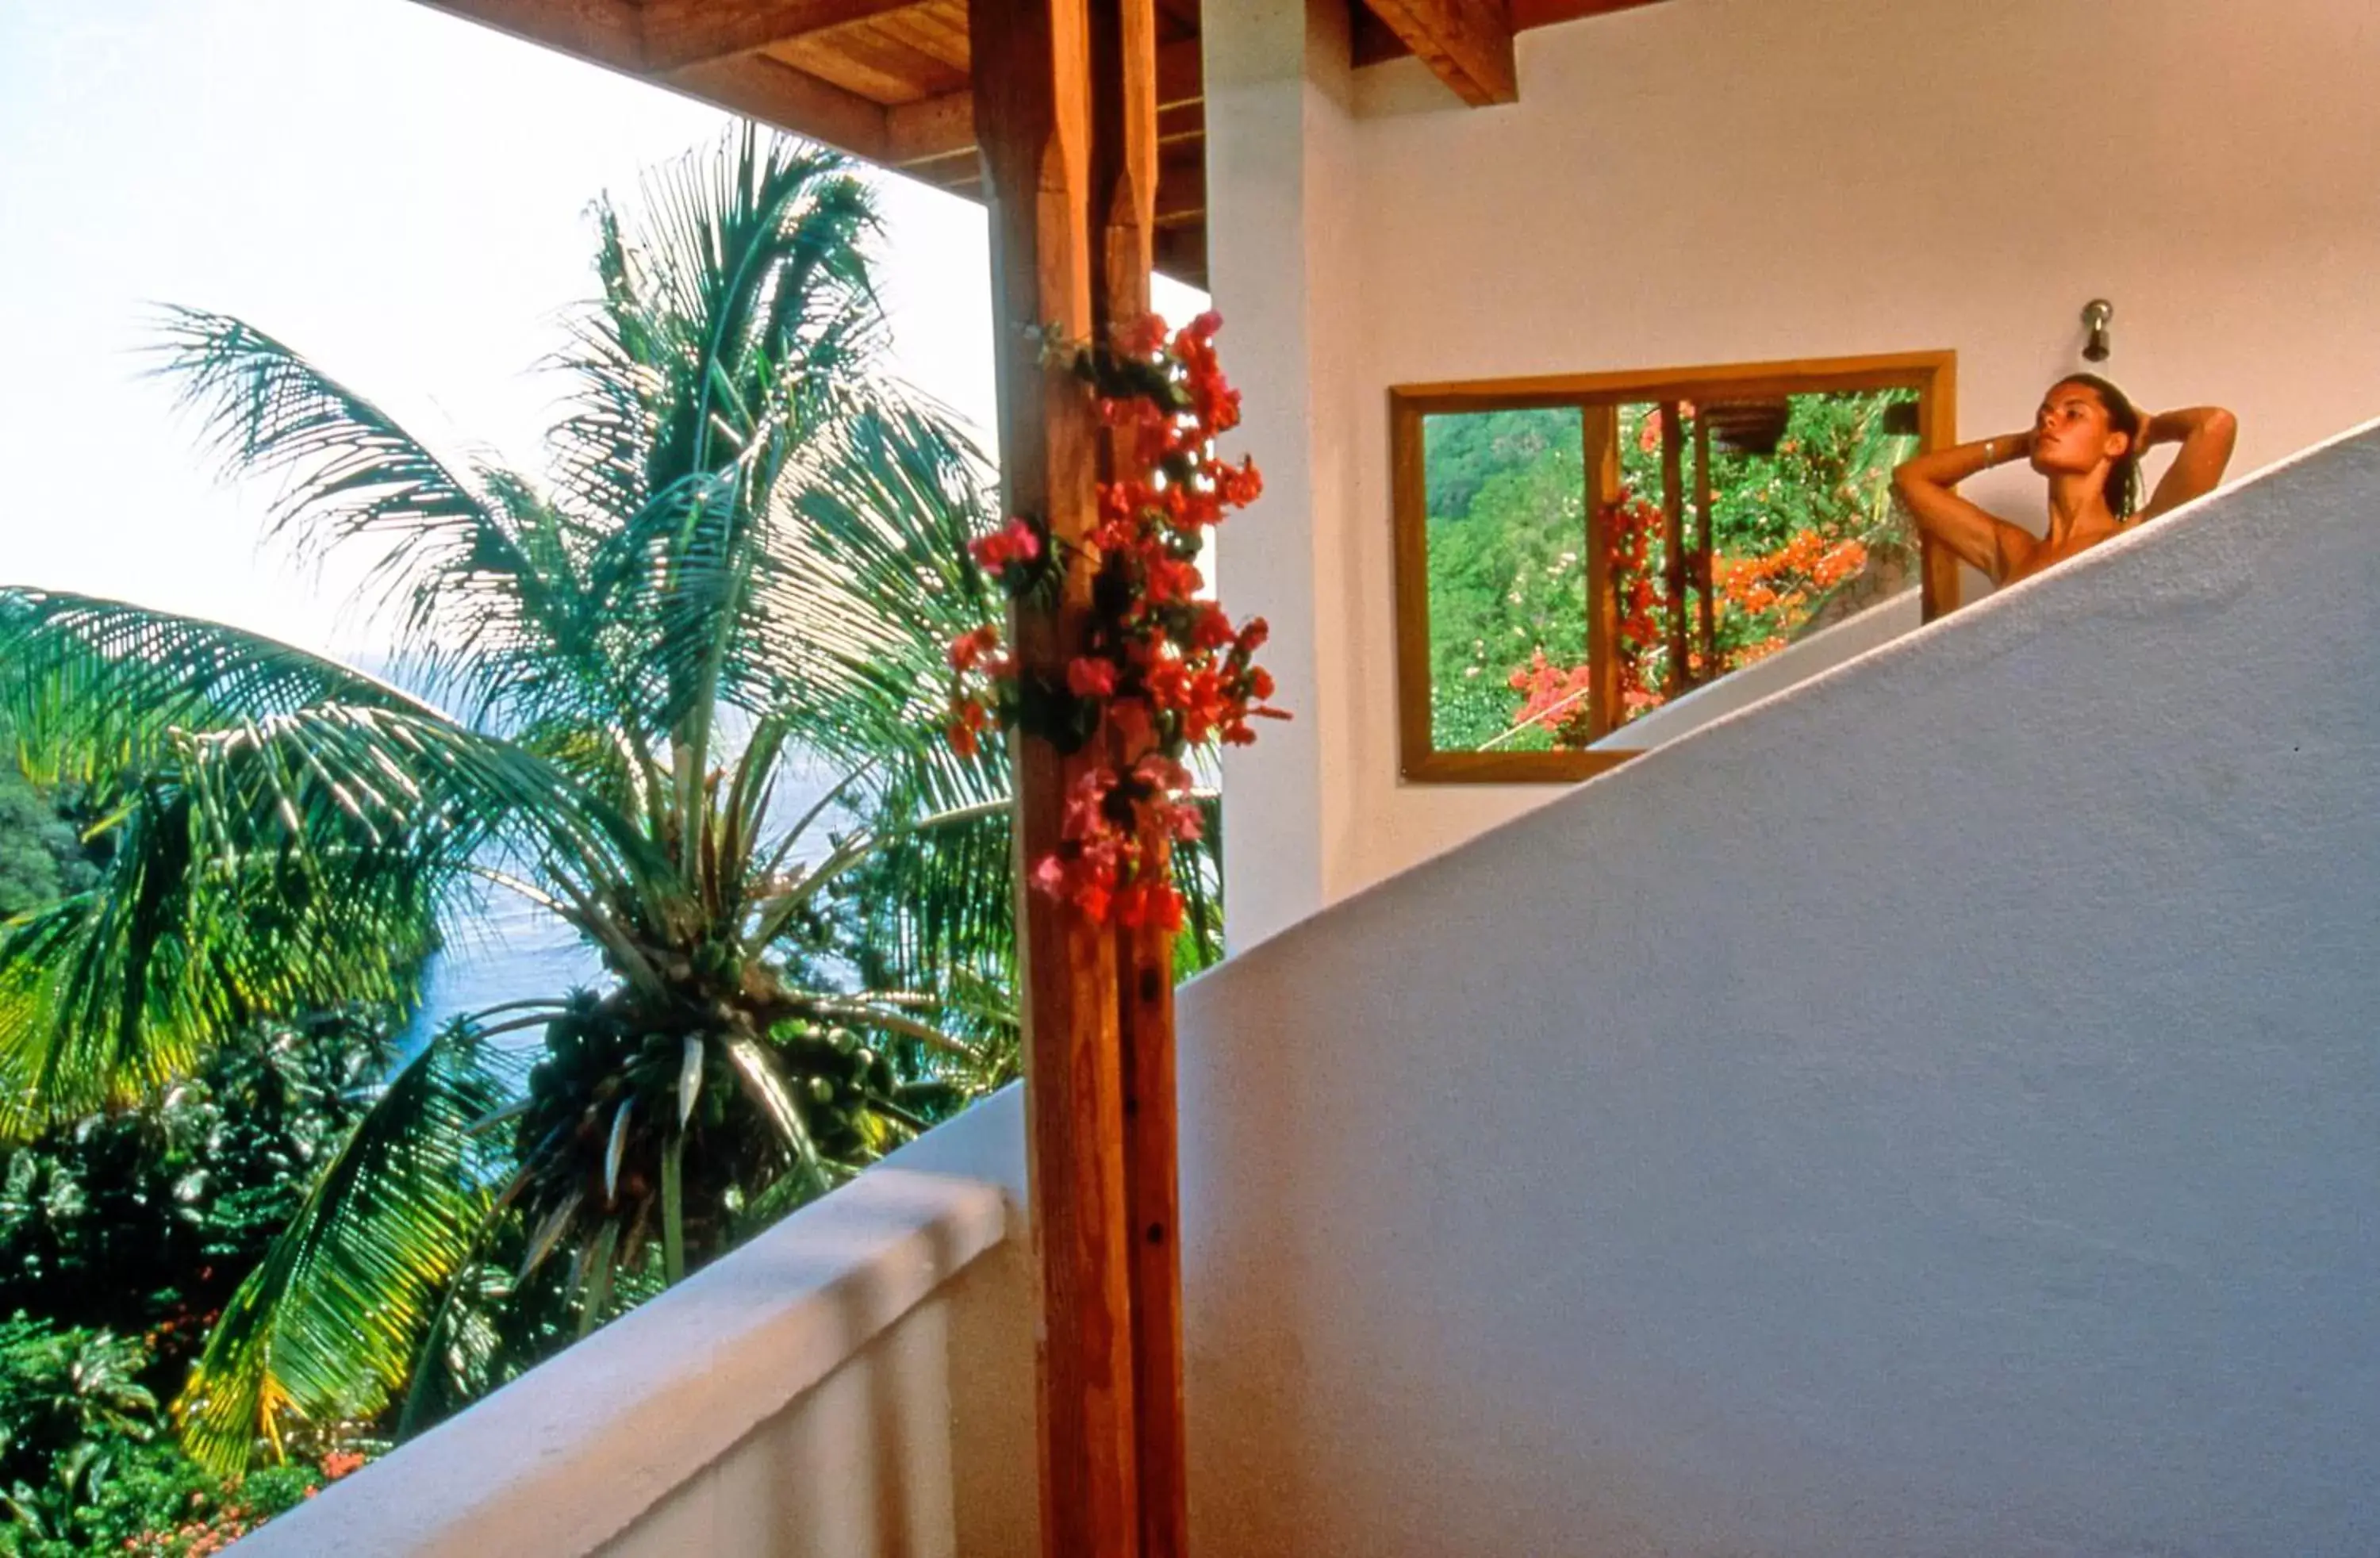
(1703, 543)
(1600, 426)
(1033, 125)
(1673, 513)
(1123, 215)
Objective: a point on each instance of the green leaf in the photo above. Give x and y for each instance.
(330, 1323)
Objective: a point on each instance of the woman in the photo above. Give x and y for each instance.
(2087, 439)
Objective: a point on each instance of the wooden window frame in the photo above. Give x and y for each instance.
(1932, 375)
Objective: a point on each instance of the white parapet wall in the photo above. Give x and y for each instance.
(1933, 1112)
(855, 1382)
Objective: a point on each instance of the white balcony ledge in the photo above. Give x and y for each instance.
(817, 1394)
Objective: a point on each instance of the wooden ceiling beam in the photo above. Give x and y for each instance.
(776, 94)
(611, 33)
(944, 126)
(680, 33)
(1467, 43)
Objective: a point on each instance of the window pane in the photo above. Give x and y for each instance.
(1507, 579)
(1803, 532)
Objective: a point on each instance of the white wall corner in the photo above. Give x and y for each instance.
(1277, 86)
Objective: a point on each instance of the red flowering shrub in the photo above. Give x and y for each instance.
(1161, 670)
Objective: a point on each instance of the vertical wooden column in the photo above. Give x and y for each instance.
(1674, 530)
(1706, 564)
(1600, 427)
(1937, 428)
(1032, 123)
(1122, 216)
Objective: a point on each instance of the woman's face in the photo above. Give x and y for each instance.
(2072, 432)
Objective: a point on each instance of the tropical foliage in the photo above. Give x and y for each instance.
(1803, 533)
(121, 1236)
(740, 570)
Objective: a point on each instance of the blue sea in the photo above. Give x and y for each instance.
(512, 949)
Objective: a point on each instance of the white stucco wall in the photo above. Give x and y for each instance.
(1933, 1112)
(1729, 180)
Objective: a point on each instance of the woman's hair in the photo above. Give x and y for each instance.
(2123, 490)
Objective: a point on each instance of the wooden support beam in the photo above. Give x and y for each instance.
(1467, 43)
(776, 94)
(1706, 564)
(1125, 187)
(682, 32)
(1032, 102)
(1673, 544)
(1599, 425)
(611, 33)
(942, 127)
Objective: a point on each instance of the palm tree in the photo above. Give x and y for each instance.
(744, 563)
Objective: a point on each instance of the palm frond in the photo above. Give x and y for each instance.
(299, 859)
(92, 687)
(477, 571)
(330, 1323)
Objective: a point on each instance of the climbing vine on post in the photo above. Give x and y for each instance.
(1163, 669)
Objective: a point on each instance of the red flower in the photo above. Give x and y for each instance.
(1242, 485)
(967, 717)
(1212, 630)
(1152, 904)
(970, 648)
(1143, 338)
(1090, 677)
(1015, 541)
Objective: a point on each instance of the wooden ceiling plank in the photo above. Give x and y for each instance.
(1182, 193)
(1182, 125)
(792, 100)
(945, 125)
(862, 60)
(924, 30)
(681, 33)
(1467, 43)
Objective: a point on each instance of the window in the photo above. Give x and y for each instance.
(1574, 553)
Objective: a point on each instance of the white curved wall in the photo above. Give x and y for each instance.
(1935, 1112)
(1706, 181)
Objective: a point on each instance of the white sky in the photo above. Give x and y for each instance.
(400, 195)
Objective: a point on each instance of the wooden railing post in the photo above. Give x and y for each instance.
(1032, 121)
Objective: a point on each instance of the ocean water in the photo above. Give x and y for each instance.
(512, 949)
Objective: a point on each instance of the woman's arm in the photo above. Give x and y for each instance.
(1980, 539)
(2207, 434)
